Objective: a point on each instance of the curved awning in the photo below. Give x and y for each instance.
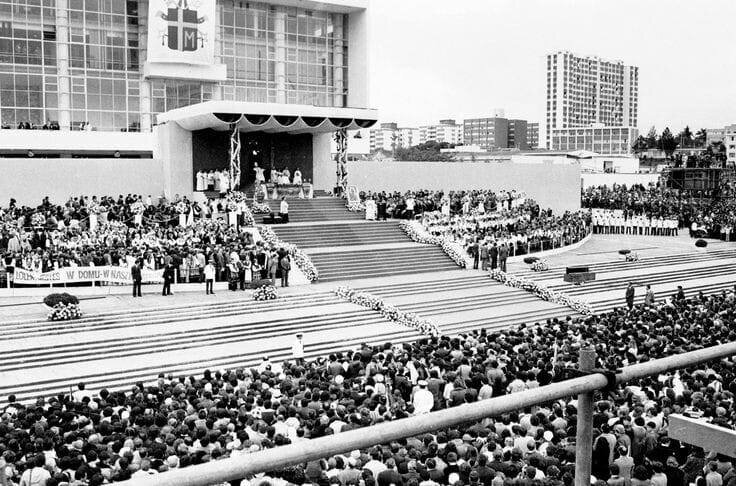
(269, 117)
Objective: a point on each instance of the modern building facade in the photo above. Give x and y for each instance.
(447, 131)
(598, 139)
(713, 135)
(582, 91)
(272, 67)
(499, 132)
(729, 140)
(533, 135)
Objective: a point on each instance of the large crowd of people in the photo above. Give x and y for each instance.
(702, 216)
(132, 229)
(91, 438)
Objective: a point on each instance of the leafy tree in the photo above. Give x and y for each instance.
(700, 137)
(667, 142)
(651, 138)
(685, 138)
(425, 152)
(640, 144)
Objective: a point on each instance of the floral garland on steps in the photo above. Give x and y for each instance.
(355, 206)
(541, 291)
(388, 311)
(418, 234)
(301, 259)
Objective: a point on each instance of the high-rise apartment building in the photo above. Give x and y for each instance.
(582, 91)
(389, 136)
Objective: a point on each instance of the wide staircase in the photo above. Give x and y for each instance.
(367, 263)
(44, 358)
(342, 234)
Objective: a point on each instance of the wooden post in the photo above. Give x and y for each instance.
(584, 437)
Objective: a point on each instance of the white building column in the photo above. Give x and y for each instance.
(280, 64)
(338, 71)
(144, 92)
(62, 65)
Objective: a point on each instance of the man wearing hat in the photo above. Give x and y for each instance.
(423, 400)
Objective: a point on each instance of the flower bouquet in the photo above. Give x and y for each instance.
(64, 312)
(181, 207)
(248, 219)
(138, 207)
(632, 257)
(540, 266)
(261, 208)
(355, 206)
(267, 292)
(38, 219)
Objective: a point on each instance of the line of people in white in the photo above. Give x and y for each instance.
(614, 221)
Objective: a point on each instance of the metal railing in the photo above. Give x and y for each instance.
(279, 457)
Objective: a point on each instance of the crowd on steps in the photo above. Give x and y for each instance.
(92, 438)
(714, 217)
(133, 230)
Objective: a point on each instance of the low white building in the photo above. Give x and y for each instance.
(597, 138)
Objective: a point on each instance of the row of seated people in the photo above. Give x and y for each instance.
(95, 437)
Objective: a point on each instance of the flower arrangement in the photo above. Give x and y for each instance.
(267, 292)
(94, 207)
(52, 300)
(248, 219)
(301, 259)
(181, 207)
(632, 257)
(64, 312)
(355, 206)
(530, 260)
(138, 207)
(261, 208)
(541, 291)
(624, 252)
(38, 219)
(388, 311)
(540, 266)
(231, 206)
(454, 252)
(417, 233)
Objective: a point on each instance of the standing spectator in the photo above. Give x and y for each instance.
(503, 254)
(630, 296)
(284, 210)
(649, 297)
(285, 264)
(297, 349)
(209, 278)
(484, 256)
(494, 256)
(168, 278)
(135, 272)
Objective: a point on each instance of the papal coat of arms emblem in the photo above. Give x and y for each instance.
(182, 32)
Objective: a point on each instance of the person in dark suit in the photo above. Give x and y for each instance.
(474, 253)
(135, 272)
(285, 264)
(485, 255)
(503, 254)
(494, 256)
(168, 278)
(630, 296)
(381, 209)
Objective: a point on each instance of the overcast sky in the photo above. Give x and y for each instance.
(433, 59)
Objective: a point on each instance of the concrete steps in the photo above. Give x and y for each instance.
(348, 234)
(317, 209)
(381, 263)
